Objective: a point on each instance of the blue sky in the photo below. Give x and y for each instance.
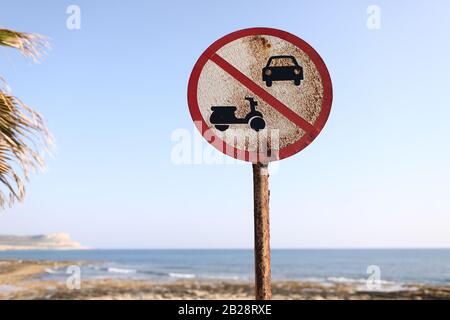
(114, 91)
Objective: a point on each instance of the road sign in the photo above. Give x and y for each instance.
(260, 94)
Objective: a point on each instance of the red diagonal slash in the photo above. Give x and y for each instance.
(263, 94)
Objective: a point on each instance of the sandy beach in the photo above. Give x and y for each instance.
(21, 279)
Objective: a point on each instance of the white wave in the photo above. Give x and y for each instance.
(182, 275)
(225, 277)
(355, 281)
(51, 271)
(322, 281)
(121, 270)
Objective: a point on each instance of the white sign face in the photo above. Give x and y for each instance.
(260, 94)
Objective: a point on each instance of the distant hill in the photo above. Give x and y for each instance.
(54, 241)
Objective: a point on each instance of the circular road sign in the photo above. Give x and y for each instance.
(260, 94)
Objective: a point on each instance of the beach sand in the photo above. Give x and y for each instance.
(21, 280)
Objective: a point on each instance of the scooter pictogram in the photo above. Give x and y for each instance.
(223, 116)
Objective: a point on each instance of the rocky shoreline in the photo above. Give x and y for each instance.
(22, 280)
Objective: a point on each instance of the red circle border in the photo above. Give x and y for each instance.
(289, 150)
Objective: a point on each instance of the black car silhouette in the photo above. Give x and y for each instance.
(282, 68)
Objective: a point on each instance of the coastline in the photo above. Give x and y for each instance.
(22, 279)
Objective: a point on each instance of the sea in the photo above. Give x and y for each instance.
(391, 267)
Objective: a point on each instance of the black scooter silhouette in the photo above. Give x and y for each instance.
(223, 116)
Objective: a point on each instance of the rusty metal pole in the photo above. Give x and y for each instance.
(263, 286)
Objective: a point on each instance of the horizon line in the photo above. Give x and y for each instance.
(276, 248)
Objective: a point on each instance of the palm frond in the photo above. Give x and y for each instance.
(24, 137)
(29, 44)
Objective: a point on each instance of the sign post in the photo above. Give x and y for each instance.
(261, 193)
(260, 95)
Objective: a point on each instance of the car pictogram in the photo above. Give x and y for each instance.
(282, 68)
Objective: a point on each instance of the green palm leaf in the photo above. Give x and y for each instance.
(24, 136)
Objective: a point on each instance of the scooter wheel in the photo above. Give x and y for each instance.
(257, 123)
(222, 127)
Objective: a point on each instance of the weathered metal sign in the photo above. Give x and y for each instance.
(260, 94)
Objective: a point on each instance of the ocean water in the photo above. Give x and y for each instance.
(397, 267)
